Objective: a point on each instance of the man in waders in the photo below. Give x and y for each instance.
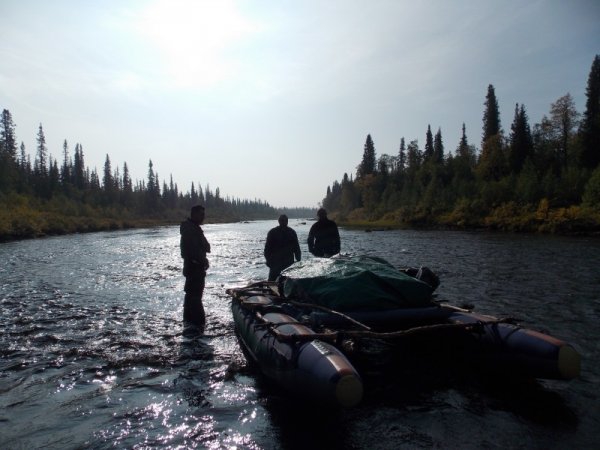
(324, 237)
(281, 248)
(194, 248)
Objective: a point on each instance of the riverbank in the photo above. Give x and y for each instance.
(509, 217)
(18, 223)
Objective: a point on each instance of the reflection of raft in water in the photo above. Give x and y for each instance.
(326, 318)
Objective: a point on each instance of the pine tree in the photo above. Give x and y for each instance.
(107, 181)
(402, 156)
(438, 147)
(590, 126)
(367, 165)
(492, 159)
(491, 116)
(80, 178)
(41, 162)
(65, 174)
(521, 142)
(8, 139)
(428, 152)
(463, 146)
(8, 153)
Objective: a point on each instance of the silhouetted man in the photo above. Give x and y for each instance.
(281, 248)
(194, 248)
(324, 237)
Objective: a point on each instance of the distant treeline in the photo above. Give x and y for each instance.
(545, 178)
(52, 196)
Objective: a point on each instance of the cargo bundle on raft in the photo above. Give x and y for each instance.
(324, 323)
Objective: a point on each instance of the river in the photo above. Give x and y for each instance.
(94, 354)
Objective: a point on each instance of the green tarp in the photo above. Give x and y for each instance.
(353, 283)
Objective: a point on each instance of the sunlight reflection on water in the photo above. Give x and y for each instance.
(94, 352)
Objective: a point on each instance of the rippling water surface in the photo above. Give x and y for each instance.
(94, 354)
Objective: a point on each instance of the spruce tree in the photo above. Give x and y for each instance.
(463, 146)
(80, 177)
(41, 163)
(590, 126)
(428, 152)
(521, 141)
(65, 174)
(367, 165)
(438, 147)
(491, 116)
(8, 139)
(402, 156)
(8, 153)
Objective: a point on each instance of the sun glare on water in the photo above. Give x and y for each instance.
(194, 37)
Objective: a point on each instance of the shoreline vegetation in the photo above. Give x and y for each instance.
(540, 179)
(571, 221)
(22, 217)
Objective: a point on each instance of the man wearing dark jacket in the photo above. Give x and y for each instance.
(324, 237)
(194, 248)
(281, 248)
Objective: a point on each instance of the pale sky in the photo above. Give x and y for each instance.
(273, 100)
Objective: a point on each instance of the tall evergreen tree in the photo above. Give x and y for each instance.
(53, 177)
(8, 138)
(401, 156)
(463, 146)
(491, 116)
(438, 147)
(521, 142)
(8, 152)
(23, 157)
(492, 158)
(41, 163)
(590, 126)
(65, 173)
(367, 165)
(428, 152)
(107, 180)
(80, 178)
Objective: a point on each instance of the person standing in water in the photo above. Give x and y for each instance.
(281, 248)
(194, 248)
(324, 237)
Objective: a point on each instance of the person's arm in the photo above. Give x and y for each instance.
(297, 252)
(268, 248)
(311, 240)
(337, 239)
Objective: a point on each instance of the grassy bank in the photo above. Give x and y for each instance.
(573, 220)
(25, 218)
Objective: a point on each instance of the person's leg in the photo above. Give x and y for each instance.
(193, 309)
(273, 273)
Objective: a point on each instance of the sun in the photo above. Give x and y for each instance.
(194, 38)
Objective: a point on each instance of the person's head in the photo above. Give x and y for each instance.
(321, 213)
(283, 220)
(197, 214)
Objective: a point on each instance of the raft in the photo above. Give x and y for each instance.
(325, 323)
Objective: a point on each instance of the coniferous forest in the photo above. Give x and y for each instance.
(57, 196)
(544, 177)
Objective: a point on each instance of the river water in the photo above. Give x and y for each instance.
(94, 354)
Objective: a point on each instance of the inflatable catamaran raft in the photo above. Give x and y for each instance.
(314, 329)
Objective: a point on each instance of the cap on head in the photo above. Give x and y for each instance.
(321, 213)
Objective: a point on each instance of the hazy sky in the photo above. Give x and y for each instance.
(274, 99)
